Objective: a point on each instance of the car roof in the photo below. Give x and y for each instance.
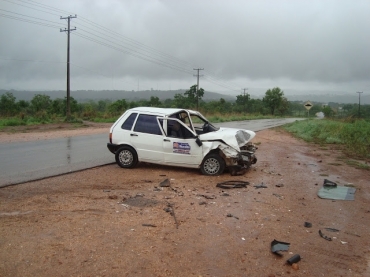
(157, 111)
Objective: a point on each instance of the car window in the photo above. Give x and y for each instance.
(147, 124)
(127, 125)
(177, 130)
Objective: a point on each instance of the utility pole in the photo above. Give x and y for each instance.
(198, 85)
(244, 97)
(359, 101)
(68, 39)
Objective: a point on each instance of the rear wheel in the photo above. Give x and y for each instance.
(126, 157)
(212, 164)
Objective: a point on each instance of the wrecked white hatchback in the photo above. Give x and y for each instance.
(179, 137)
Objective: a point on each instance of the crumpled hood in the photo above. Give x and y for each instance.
(235, 138)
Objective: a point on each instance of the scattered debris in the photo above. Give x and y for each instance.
(147, 181)
(277, 246)
(332, 230)
(334, 192)
(324, 237)
(343, 242)
(232, 184)
(170, 209)
(294, 259)
(260, 186)
(308, 224)
(279, 185)
(328, 183)
(165, 183)
(203, 203)
(230, 215)
(277, 195)
(149, 225)
(207, 196)
(225, 194)
(113, 197)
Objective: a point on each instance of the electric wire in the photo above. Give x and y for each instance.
(170, 62)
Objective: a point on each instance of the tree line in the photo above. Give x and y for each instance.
(273, 103)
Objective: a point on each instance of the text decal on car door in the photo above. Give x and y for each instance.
(181, 148)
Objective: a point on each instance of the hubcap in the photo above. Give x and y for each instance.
(125, 157)
(211, 166)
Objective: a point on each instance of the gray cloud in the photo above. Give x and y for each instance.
(256, 44)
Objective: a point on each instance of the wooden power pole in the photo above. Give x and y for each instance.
(68, 42)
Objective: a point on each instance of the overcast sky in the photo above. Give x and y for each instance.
(296, 45)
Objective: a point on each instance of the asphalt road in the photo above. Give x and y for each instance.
(26, 161)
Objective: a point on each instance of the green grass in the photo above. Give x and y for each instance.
(354, 136)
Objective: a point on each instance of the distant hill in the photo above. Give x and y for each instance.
(96, 95)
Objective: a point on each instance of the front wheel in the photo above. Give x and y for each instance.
(126, 157)
(212, 164)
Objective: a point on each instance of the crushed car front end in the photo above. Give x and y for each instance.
(234, 146)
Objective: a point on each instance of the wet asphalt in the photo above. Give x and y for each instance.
(27, 161)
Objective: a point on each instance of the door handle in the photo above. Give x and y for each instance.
(133, 135)
(166, 140)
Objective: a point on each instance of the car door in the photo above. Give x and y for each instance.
(147, 138)
(180, 147)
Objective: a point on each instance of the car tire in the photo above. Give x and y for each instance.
(212, 165)
(126, 157)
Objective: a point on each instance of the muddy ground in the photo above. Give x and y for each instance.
(110, 221)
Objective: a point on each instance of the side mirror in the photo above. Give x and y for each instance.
(198, 141)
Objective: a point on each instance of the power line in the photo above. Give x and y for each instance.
(126, 45)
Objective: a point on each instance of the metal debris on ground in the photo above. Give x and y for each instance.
(230, 215)
(232, 184)
(207, 196)
(170, 209)
(308, 224)
(165, 183)
(277, 246)
(324, 237)
(261, 186)
(149, 225)
(332, 230)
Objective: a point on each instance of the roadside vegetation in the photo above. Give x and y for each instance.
(352, 135)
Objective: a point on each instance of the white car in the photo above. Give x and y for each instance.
(179, 137)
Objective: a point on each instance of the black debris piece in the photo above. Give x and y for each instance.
(232, 184)
(308, 224)
(324, 237)
(203, 203)
(279, 185)
(328, 183)
(230, 215)
(165, 183)
(294, 259)
(277, 246)
(332, 230)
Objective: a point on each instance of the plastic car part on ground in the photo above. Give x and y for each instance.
(331, 190)
(232, 184)
(277, 246)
